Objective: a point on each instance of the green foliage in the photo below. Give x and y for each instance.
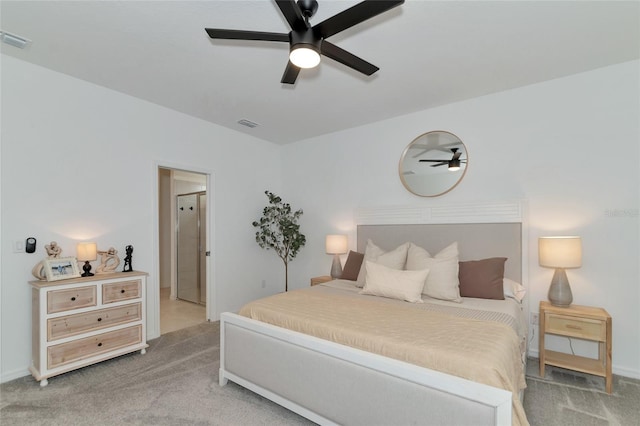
(279, 230)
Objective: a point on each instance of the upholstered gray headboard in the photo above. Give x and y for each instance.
(475, 240)
(482, 229)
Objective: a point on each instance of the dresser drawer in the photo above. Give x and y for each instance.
(123, 290)
(582, 328)
(74, 298)
(87, 347)
(70, 325)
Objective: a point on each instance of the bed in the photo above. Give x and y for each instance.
(316, 362)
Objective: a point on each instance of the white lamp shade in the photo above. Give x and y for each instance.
(87, 251)
(560, 252)
(336, 244)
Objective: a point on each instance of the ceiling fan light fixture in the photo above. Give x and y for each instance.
(454, 165)
(304, 56)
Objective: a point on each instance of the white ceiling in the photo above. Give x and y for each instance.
(430, 53)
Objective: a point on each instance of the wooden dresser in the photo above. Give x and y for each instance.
(82, 321)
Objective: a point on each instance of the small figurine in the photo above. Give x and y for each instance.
(109, 261)
(54, 251)
(127, 259)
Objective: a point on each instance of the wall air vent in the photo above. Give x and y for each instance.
(248, 123)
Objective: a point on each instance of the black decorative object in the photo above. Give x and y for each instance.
(87, 269)
(127, 259)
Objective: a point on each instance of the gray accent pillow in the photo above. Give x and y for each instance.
(352, 266)
(482, 279)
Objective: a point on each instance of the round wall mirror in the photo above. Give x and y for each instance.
(433, 164)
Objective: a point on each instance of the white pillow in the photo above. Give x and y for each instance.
(394, 259)
(393, 283)
(513, 289)
(442, 281)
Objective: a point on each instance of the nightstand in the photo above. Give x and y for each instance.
(581, 322)
(320, 280)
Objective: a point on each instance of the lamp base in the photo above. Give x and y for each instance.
(87, 269)
(336, 267)
(560, 292)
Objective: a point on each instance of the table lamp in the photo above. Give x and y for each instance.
(336, 245)
(86, 253)
(560, 253)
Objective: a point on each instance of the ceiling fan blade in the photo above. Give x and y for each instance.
(432, 161)
(441, 164)
(353, 16)
(290, 74)
(292, 14)
(246, 35)
(332, 51)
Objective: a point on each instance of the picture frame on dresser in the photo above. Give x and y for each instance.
(61, 268)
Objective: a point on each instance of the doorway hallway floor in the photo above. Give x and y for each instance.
(178, 314)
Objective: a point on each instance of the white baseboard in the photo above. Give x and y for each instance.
(626, 372)
(12, 375)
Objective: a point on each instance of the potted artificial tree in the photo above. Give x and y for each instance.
(279, 230)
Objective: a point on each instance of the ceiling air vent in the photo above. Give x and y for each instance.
(14, 40)
(248, 123)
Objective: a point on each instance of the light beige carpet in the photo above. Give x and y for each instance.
(176, 383)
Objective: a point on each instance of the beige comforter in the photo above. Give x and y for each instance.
(482, 351)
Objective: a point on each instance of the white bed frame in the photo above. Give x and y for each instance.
(329, 383)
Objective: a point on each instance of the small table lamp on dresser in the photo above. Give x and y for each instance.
(560, 253)
(87, 252)
(336, 245)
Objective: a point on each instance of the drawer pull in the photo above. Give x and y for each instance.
(573, 327)
(99, 344)
(73, 299)
(122, 291)
(99, 319)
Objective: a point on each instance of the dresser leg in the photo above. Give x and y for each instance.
(143, 351)
(44, 382)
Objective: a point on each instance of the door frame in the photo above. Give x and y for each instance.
(153, 289)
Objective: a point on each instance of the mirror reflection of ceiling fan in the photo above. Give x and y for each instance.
(434, 141)
(454, 163)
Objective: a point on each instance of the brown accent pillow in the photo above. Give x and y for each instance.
(352, 266)
(482, 278)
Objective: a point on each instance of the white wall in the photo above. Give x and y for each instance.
(79, 162)
(569, 147)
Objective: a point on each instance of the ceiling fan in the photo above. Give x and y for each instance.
(306, 42)
(454, 163)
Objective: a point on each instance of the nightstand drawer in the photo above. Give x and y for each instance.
(582, 328)
(320, 280)
(123, 290)
(80, 349)
(70, 325)
(66, 300)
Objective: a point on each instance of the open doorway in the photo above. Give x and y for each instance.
(182, 204)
